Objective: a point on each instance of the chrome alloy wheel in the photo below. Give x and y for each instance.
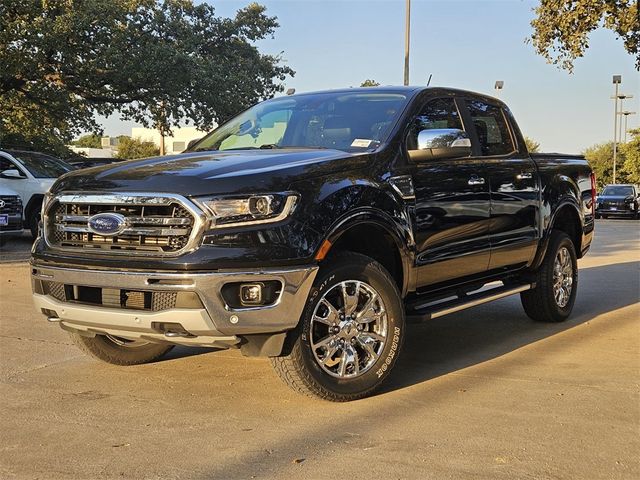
(348, 329)
(562, 277)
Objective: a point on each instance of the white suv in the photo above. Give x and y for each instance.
(31, 174)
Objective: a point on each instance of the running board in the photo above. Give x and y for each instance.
(434, 310)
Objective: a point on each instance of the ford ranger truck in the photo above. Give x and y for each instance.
(311, 229)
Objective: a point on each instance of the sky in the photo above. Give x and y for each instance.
(462, 44)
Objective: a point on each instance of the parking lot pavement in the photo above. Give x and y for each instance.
(16, 248)
(484, 393)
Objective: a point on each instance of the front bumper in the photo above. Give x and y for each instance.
(14, 225)
(213, 323)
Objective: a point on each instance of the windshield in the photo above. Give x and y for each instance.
(618, 191)
(41, 165)
(351, 121)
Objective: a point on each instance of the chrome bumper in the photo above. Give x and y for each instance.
(216, 323)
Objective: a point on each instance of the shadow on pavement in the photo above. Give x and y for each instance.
(454, 342)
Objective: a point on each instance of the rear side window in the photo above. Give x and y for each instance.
(436, 114)
(491, 128)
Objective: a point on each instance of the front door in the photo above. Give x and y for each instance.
(451, 222)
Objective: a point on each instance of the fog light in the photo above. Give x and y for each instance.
(251, 294)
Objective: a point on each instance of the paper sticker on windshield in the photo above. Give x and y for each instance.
(361, 142)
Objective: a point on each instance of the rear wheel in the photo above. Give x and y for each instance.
(119, 351)
(350, 333)
(556, 282)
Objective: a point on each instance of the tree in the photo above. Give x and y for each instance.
(157, 62)
(91, 140)
(532, 145)
(369, 83)
(132, 148)
(631, 152)
(600, 158)
(561, 29)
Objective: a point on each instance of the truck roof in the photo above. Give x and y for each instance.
(410, 89)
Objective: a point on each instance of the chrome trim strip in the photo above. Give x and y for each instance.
(133, 220)
(129, 198)
(163, 232)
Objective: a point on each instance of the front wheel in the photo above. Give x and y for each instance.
(119, 351)
(350, 332)
(556, 282)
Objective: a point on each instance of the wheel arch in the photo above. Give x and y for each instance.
(376, 235)
(35, 202)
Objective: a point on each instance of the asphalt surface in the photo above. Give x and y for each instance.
(484, 393)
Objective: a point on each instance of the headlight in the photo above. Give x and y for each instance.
(252, 210)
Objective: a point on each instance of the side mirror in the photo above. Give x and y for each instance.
(441, 143)
(12, 174)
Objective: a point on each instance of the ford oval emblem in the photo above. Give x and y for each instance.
(107, 224)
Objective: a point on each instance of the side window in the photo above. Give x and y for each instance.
(6, 164)
(438, 113)
(491, 128)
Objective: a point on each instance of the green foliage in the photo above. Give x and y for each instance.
(561, 28)
(91, 140)
(631, 152)
(369, 83)
(532, 145)
(157, 62)
(600, 158)
(132, 148)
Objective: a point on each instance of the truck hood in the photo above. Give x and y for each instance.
(210, 173)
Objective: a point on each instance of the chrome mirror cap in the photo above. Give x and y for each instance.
(441, 143)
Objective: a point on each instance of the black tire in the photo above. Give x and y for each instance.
(598, 216)
(541, 304)
(33, 220)
(106, 349)
(300, 366)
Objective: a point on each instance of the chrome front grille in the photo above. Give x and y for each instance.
(162, 225)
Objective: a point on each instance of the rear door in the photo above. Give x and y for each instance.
(451, 223)
(514, 185)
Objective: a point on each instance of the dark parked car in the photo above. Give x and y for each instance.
(310, 229)
(619, 201)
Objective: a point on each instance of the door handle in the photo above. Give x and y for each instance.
(475, 180)
(525, 176)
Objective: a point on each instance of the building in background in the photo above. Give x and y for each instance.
(176, 143)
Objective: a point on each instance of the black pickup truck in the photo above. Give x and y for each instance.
(311, 229)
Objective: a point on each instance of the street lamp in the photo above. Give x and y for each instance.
(617, 80)
(407, 36)
(626, 114)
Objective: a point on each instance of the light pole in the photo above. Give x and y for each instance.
(499, 85)
(617, 80)
(407, 36)
(622, 97)
(626, 114)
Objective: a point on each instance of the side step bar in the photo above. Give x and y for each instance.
(434, 310)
